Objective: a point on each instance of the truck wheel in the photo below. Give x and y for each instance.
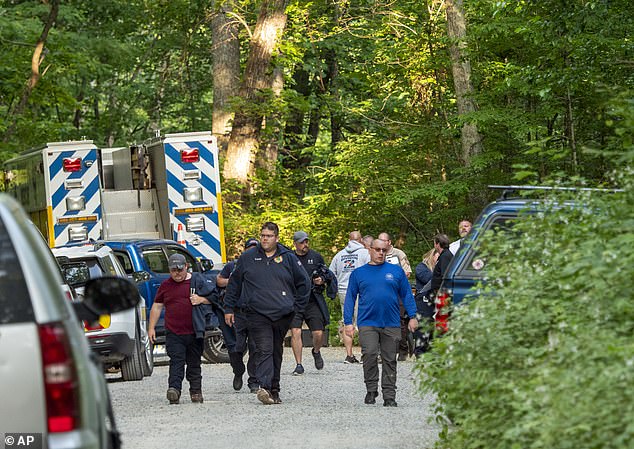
(214, 350)
(132, 365)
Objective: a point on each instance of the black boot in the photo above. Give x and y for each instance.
(237, 364)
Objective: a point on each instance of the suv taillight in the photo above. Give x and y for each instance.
(60, 379)
(443, 301)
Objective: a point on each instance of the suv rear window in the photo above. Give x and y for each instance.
(15, 302)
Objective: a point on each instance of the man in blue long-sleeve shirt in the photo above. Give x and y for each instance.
(379, 287)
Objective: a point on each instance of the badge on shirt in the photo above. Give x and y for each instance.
(278, 259)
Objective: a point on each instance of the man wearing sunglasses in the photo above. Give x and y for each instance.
(379, 288)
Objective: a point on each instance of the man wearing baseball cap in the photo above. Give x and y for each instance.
(316, 314)
(183, 347)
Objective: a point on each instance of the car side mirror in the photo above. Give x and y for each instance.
(106, 295)
(207, 264)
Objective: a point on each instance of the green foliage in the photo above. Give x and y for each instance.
(543, 357)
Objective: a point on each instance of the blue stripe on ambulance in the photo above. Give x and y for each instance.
(209, 243)
(90, 192)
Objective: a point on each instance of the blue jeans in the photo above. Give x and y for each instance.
(268, 336)
(184, 350)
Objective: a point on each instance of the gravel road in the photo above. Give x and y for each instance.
(321, 409)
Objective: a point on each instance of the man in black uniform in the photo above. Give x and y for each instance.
(271, 283)
(241, 331)
(316, 313)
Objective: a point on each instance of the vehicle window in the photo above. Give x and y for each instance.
(124, 259)
(15, 302)
(474, 264)
(190, 260)
(156, 260)
(108, 267)
(75, 273)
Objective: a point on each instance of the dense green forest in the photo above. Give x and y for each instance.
(379, 116)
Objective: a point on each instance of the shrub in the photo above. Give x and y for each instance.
(544, 358)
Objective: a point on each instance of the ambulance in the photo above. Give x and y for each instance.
(167, 187)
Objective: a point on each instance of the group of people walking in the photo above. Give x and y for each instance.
(270, 289)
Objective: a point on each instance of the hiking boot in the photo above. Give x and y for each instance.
(370, 397)
(299, 370)
(319, 360)
(237, 382)
(265, 397)
(173, 395)
(351, 359)
(276, 397)
(390, 403)
(196, 397)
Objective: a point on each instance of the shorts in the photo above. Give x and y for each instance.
(312, 315)
(354, 314)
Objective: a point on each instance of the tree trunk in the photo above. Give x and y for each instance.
(36, 62)
(461, 70)
(79, 112)
(268, 155)
(243, 142)
(225, 53)
(156, 116)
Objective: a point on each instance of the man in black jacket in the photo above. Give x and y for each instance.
(441, 244)
(316, 314)
(270, 281)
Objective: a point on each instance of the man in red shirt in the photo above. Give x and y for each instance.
(183, 348)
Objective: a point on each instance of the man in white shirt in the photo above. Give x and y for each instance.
(464, 227)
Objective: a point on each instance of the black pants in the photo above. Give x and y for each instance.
(403, 346)
(268, 336)
(243, 340)
(184, 350)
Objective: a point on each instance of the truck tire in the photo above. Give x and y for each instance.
(132, 365)
(214, 349)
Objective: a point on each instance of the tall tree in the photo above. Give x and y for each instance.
(461, 69)
(225, 52)
(36, 62)
(247, 123)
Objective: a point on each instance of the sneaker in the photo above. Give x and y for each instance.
(370, 397)
(402, 357)
(265, 397)
(253, 388)
(196, 397)
(237, 382)
(351, 359)
(390, 403)
(173, 395)
(276, 397)
(299, 370)
(319, 360)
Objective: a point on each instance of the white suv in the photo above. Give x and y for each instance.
(54, 394)
(121, 338)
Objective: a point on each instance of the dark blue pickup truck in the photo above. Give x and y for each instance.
(145, 261)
